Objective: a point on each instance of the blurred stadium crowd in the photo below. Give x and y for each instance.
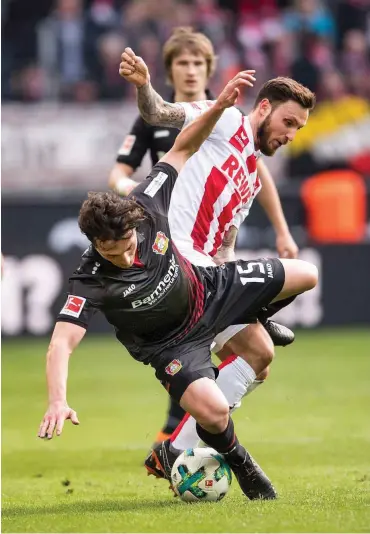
(69, 50)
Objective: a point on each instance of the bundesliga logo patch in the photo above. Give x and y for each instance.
(174, 367)
(209, 483)
(73, 306)
(160, 244)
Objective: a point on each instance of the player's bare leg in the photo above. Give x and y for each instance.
(238, 375)
(204, 400)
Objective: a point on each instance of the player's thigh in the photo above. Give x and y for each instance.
(178, 367)
(254, 345)
(300, 276)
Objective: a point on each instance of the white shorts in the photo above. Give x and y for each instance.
(203, 260)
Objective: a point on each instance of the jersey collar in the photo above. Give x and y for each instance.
(209, 95)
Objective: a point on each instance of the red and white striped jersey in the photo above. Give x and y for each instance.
(216, 187)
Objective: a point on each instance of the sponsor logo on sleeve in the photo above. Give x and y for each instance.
(174, 367)
(74, 305)
(156, 184)
(127, 145)
(160, 244)
(161, 133)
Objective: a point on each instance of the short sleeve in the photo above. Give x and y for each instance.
(193, 110)
(155, 192)
(135, 144)
(80, 304)
(240, 216)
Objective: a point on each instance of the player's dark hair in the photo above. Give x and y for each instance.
(281, 90)
(185, 38)
(107, 216)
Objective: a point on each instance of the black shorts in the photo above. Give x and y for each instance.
(235, 292)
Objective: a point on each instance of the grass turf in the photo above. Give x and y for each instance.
(308, 426)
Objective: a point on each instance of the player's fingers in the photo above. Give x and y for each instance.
(127, 59)
(59, 426)
(74, 418)
(140, 61)
(43, 428)
(126, 71)
(129, 52)
(245, 75)
(248, 77)
(234, 95)
(51, 427)
(242, 81)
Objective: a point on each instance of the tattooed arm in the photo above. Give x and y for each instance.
(153, 108)
(156, 111)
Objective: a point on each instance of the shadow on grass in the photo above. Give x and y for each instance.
(86, 506)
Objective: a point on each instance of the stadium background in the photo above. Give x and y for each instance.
(65, 113)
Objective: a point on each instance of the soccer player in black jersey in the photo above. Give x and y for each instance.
(165, 310)
(190, 61)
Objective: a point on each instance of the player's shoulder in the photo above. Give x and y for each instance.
(90, 263)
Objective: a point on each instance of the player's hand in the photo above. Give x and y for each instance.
(133, 68)
(223, 256)
(229, 96)
(54, 419)
(286, 246)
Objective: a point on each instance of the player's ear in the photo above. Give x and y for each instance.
(264, 108)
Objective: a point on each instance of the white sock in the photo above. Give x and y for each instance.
(235, 378)
(252, 387)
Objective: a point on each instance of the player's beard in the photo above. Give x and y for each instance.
(263, 134)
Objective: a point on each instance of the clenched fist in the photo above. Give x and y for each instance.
(133, 68)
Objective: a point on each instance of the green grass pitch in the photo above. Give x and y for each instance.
(308, 426)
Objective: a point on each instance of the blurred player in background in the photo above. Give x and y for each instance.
(190, 61)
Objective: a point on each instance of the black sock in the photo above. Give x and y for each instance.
(174, 417)
(273, 308)
(225, 443)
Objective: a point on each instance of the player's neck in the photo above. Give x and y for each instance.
(253, 121)
(182, 97)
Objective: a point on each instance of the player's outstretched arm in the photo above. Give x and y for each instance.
(153, 108)
(191, 138)
(65, 338)
(269, 199)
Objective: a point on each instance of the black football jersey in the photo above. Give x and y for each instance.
(143, 137)
(154, 303)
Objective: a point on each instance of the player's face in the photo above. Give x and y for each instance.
(189, 73)
(121, 253)
(280, 126)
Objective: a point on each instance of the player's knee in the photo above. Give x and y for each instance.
(214, 417)
(263, 347)
(311, 276)
(300, 276)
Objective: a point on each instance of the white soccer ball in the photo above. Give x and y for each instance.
(201, 475)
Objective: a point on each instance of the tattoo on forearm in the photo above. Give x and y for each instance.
(229, 238)
(156, 111)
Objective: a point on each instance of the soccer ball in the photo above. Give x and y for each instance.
(201, 475)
